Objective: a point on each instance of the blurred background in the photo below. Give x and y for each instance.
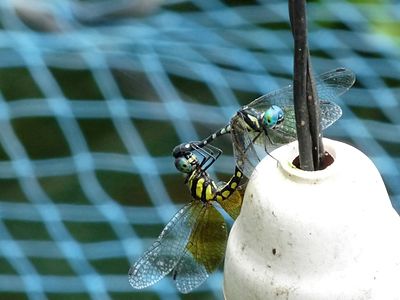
(95, 94)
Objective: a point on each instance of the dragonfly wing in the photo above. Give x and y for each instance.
(334, 83)
(246, 152)
(281, 98)
(330, 113)
(166, 251)
(189, 273)
(205, 250)
(329, 85)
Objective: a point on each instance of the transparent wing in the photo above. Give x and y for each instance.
(330, 85)
(244, 147)
(334, 83)
(189, 273)
(205, 250)
(330, 113)
(167, 250)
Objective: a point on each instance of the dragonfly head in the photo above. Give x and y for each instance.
(273, 116)
(186, 163)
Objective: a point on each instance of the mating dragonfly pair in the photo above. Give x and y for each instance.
(192, 244)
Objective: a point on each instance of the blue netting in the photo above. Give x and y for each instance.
(95, 94)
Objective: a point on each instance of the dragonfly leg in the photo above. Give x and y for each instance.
(265, 146)
(252, 143)
(210, 154)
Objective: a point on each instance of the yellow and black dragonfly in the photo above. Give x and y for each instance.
(193, 243)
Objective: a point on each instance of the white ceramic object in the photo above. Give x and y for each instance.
(330, 234)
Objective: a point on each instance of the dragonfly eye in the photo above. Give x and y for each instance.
(273, 116)
(181, 150)
(184, 165)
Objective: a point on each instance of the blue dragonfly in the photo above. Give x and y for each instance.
(269, 121)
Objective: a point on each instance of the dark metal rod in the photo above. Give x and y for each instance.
(306, 103)
(314, 112)
(299, 29)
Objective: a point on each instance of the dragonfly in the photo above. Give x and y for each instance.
(193, 243)
(269, 121)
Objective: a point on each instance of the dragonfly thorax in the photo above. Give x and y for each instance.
(201, 186)
(272, 117)
(252, 118)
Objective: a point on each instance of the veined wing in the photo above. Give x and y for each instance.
(330, 113)
(329, 85)
(244, 148)
(189, 273)
(204, 251)
(334, 83)
(167, 250)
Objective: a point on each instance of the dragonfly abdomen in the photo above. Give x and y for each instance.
(186, 148)
(226, 190)
(224, 130)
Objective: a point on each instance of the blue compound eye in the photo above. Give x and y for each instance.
(273, 116)
(183, 165)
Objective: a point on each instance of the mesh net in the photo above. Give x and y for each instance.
(95, 94)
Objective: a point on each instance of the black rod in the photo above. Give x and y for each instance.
(318, 151)
(306, 103)
(299, 30)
